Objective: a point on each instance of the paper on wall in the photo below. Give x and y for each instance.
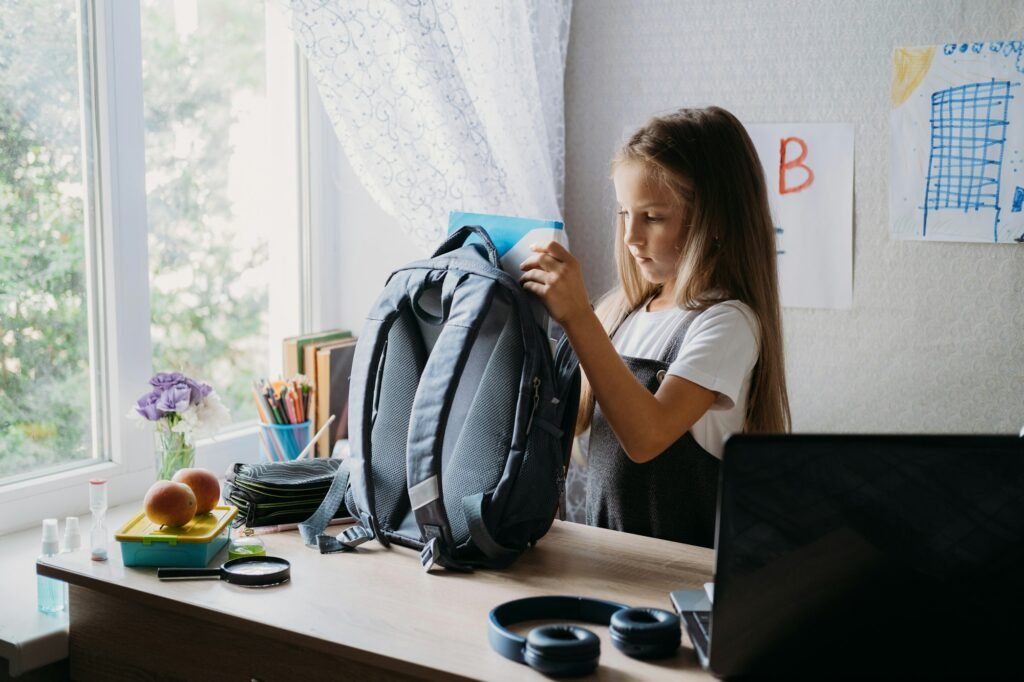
(808, 169)
(956, 167)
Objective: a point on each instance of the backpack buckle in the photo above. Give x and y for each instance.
(355, 536)
(370, 525)
(346, 541)
(328, 544)
(429, 554)
(435, 551)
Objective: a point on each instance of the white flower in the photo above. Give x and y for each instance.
(137, 419)
(204, 419)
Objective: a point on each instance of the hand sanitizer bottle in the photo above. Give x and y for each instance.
(98, 507)
(50, 592)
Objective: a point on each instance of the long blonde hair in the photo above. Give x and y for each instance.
(728, 251)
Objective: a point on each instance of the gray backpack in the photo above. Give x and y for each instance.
(460, 423)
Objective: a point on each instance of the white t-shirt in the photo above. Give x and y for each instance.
(718, 353)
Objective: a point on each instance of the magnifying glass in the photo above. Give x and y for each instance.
(249, 571)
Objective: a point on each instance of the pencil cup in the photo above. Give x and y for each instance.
(280, 442)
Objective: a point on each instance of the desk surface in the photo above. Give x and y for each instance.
(378, 606)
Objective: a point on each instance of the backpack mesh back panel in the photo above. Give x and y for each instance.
(479, 455)
(397, 381)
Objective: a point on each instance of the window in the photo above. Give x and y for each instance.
(208, 191)
(150, 219)
(45, 397)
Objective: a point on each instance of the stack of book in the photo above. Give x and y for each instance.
(325, 359)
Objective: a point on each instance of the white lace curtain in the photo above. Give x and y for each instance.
(444, 105)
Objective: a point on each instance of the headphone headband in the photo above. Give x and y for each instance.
(570, 650)
(513, 646)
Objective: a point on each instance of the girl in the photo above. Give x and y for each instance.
(688, 347)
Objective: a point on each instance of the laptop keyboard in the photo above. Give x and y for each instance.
(698, 625)
(703, 619)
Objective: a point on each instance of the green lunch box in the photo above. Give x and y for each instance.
(144, 543)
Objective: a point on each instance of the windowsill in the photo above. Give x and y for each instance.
(24, 504)
(30, 639)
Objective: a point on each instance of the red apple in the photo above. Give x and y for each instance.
(169, 503)
(204, 484)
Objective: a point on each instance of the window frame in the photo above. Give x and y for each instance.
(117, 262)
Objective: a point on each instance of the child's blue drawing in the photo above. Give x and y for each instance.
(957, 141)
(966, 160)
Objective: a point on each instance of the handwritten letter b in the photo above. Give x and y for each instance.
(785, 165)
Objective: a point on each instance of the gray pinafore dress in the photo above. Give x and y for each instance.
(671, 497)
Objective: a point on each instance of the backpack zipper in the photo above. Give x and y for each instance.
(536, 402)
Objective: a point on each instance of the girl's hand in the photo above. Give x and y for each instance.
(555, 277)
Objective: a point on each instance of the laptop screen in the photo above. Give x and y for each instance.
(866, 554)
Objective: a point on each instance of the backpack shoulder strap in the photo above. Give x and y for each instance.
(497, 555)
(356, 471)
(357, 475)
(465, 300)
(365, 366)
(312, 529)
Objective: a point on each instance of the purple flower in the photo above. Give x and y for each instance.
(174, 398)
(198, 390)
(164, 380)
(148, 408)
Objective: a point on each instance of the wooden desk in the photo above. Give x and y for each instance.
(375, 613)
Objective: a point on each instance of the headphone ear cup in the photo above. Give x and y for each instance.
(562, 650)
(645, 632)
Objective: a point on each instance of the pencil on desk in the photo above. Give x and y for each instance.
(314, 439)
(285, 527)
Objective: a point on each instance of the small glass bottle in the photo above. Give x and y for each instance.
(50, 592)
(98, 507)
(246, 543)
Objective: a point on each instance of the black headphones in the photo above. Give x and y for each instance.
(569, 650)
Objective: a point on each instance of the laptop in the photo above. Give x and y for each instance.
(865, 556)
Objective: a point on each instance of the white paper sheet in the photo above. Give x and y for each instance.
(957, 142)
(809, 172)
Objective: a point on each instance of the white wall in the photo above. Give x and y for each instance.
(933, 341)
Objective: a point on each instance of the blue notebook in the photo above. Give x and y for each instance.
(512, 236)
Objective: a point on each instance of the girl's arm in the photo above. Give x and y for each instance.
(645, 424)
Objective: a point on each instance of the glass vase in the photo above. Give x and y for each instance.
(172, 453)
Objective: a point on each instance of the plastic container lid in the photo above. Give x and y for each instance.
(51, 538)
(201, 529)
(97, 495)
(72, 534)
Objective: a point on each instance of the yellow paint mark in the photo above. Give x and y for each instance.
(909, 67)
